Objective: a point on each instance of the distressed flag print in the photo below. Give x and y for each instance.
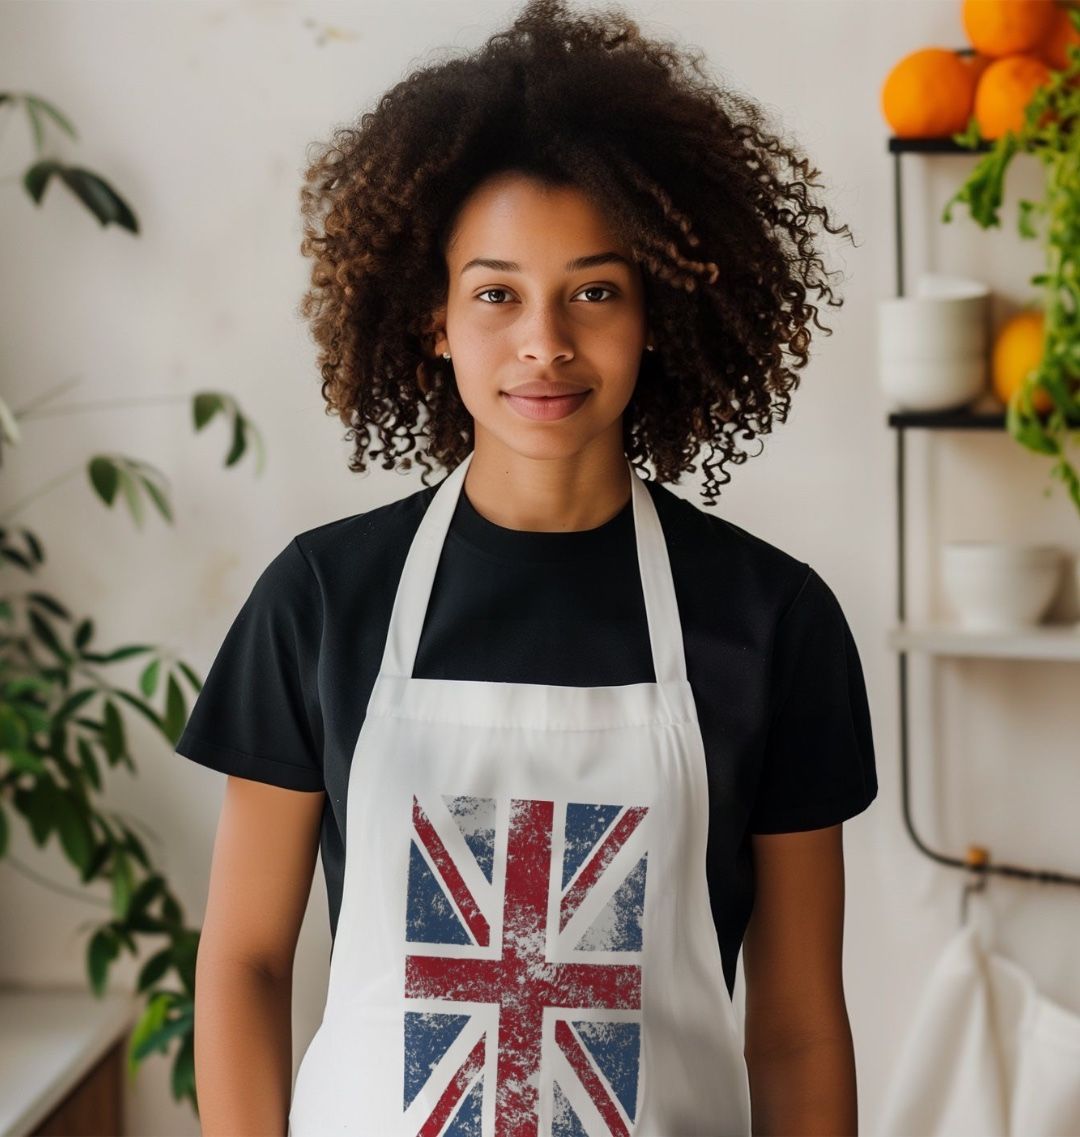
(524, 953)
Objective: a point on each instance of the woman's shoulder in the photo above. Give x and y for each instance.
(368, 537)
(710, 549)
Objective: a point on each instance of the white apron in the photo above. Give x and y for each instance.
(987, 1054)
(525, 944)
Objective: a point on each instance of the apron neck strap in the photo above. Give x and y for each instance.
(418, 577)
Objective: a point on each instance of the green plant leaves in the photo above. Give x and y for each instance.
(122, 884)
(150, 1022)
(134, 479)
(139, 484)
(175, 710)
(103, 948)
(206, 404)
(44, 632)
(154, 969)
(183, 1071)
(984, 188)
(51, 745)
(99, 197)
(104, 477)
(28, 560)
(91, 189)
(73, 824)
(148, 678)
(113, 735)
(89, 763)
(34, 805)
(9, 425)
(38, 109)
(162, 1035)
(1051, 132)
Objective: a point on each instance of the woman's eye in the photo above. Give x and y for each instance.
(590, 288)
(487, 291)
(598, 288)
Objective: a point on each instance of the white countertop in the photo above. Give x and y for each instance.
(50, 1038)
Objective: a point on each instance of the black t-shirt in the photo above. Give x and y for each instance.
(771, 661)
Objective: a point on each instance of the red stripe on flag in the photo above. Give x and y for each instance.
(599, 861)
(454, 1092)
(459, 890)
(578, 1059)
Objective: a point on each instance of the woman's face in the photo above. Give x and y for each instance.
(538, 318)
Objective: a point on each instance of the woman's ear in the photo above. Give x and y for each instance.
(436, 330)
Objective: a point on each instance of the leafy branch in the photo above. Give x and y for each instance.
(1050, 131)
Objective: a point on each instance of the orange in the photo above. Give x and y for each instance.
(1004, 90)
(1018, 347)
(928, 94)
(1062, 34)
(1006, 27)
(978, 63)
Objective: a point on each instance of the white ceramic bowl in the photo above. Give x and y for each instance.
(997, 586)
(944, 284)
(933, 384)
(933, 348)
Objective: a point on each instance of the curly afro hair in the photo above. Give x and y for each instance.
(716, 209)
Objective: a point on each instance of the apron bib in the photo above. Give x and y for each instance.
(525, 944)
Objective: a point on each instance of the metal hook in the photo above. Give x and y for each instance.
(977, 859)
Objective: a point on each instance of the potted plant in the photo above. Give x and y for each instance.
(62, 721)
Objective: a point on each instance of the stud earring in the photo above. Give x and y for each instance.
(446, 355)
(649, 347)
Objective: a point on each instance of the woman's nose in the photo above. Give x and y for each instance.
(545, 336)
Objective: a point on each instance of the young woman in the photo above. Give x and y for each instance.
(567, 742)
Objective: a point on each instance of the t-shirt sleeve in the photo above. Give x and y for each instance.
(257, 715)
(819, 765)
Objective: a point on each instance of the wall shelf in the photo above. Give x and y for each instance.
(949, 420)
(1046, 642)
(937, 641)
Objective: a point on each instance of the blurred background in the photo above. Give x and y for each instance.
(166, 370)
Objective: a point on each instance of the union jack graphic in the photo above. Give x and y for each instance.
(525, 920)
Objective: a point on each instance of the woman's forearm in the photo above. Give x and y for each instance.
(805, 1091)
(243, 1049)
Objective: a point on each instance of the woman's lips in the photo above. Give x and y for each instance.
(546, 408)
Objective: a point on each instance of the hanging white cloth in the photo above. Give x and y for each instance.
(987, 1055)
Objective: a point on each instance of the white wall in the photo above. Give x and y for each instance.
(199, 113)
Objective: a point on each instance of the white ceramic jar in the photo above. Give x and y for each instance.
(999, 586)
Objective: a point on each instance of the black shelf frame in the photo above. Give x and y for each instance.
(978, 860)
(949, 420)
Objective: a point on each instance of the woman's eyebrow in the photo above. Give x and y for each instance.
(575, 265)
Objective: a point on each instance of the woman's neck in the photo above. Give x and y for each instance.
(550, 495)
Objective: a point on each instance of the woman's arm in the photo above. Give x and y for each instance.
(798, 1045)
(264, 856)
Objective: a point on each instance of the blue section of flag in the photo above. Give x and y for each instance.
(585, 825)
(475, 817)
(466, 1122)
(566, 1122)
(616, 1049)
(618, 926)
(428, 1037)
(482, 844)
(430, 918)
